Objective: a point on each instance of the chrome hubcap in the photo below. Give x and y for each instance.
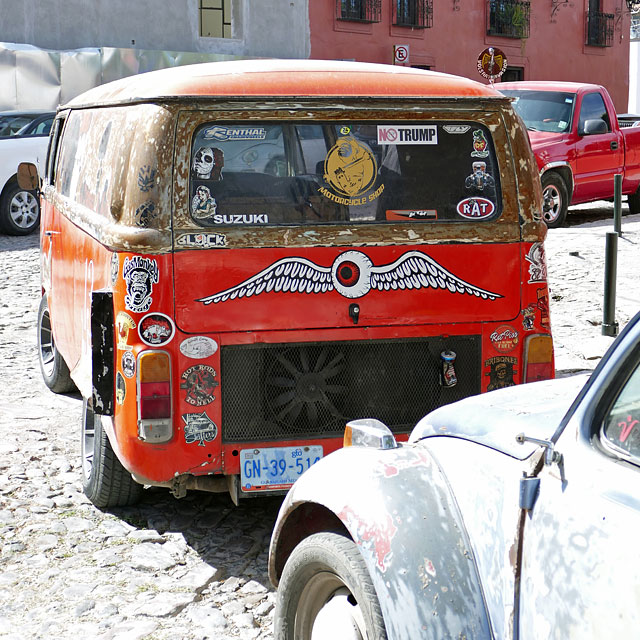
(24, 209)
(552, 203)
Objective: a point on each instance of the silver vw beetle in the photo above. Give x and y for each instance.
(514, 514)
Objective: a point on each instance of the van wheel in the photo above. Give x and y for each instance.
(326, 589)
(104, 480)
(19, 211)
(55, 372)
(555, 200)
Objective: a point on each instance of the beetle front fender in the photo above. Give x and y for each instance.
(398, 508)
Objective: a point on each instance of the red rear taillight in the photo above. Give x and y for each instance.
(538, 357)
(154, 396)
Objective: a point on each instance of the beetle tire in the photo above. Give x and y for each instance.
(19, 211)
(326, 578)
(555, 199)
(104, 480)
(55, 371)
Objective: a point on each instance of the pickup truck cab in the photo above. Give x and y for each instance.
(578, 144)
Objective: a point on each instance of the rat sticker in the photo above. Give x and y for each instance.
(156, 329)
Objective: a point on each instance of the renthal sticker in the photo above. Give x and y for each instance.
(352, 275)
(201, 240)
(408, 134)
(156, 329)
(475, 208)
(199, 427)
(479, 180)
(537, 263)
(373, 537)
(543, 305)
(226, 133)
(121, 388)
(145, 214)
(350, 167)
(207, 164)
(128, 364)
(505, 338)
(124, 324)
(146, 178)
(479, 145)
(203, 205)
(140, 274)
(200, 383)
(198, 347)
(115, 268)
(501, 372)
(456, 128)
(411, 214)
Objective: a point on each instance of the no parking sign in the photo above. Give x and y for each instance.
(400, 53)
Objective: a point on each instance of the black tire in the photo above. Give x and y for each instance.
(555, 199)
(633, 200)
(104, 480)
(325, 578)
(19, 211)
(55, 372)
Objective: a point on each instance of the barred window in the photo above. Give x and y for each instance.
(413, 13)
(358, 10)
(508, 18)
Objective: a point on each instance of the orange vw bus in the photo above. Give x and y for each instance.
(239, 257)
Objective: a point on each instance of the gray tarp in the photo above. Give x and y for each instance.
(33, 78)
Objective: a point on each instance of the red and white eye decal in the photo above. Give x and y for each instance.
(351, 274)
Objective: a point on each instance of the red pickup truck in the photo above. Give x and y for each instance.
(578, 144)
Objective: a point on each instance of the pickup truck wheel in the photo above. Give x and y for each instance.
(55, 372)
(19, 211)
(555, 200)
(326, 591)
(104, 480)
(633, 200)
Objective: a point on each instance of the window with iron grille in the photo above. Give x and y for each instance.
(358, 10)
(413, 13)
(215, 18)
(508, 18)
(635, 26)
(599, 29)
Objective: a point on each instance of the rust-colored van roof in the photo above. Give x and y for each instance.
(299, 78)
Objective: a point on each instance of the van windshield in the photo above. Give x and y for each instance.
(275, 173)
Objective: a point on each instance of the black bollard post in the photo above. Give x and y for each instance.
(617, 203)
(609, 324)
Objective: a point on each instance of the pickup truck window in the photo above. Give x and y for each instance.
(550, 111)
(293, 173)
(593, 108)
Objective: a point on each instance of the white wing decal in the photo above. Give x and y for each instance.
(416, 270)
(287, 275)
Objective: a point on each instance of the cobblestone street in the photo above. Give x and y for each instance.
(193, 568)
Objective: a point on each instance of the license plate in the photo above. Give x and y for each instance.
(275, 467)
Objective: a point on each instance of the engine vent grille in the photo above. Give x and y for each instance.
(277, 391)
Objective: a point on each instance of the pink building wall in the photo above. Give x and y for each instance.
(554, 50)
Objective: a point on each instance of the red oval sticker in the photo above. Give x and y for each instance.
(476, 208)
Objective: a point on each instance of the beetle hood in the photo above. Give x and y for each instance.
(495, 419)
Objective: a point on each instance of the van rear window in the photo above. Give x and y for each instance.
(270, 174)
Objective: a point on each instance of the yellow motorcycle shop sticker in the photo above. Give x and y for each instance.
(350, 168)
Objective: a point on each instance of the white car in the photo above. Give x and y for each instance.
(20, 209)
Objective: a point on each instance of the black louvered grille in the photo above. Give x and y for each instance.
(274, 392)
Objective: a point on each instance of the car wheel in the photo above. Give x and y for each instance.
(555, 200)
(104, 480)
(633, 200)
(326, 591)
(55, 372)
(19, 211)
